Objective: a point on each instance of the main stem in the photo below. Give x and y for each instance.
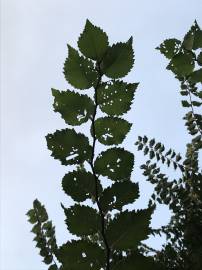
(94, 173)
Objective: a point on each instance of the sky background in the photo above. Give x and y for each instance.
(34, 34)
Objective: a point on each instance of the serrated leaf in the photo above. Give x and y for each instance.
(169, 47)
(188, 41)
(196, 76)
(81, 255)
(111, 130)
(79, 71)
(115, 163)
(197, 37)
(182, 64)
(118, 60)
(116, 98)
(74, 108)
(80, 185)
(127, 229)
(40, 210)
(136, 261)
(88, 216)
(118, 195)
(69, 147)
(93, 42)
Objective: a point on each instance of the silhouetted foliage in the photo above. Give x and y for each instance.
(108, 235)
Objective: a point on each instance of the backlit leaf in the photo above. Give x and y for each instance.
(82, 220)
(169, 47)
(127, 229)
(197, 33)
(69, 147)
(81, 255)
(115, 163)
(93, 42)
(111, 130)
(80, 185)
(118, 60)
(116, 98)
(182, 64)
(196, 76)
(79, 71)
(75, 109)
(118, 195)
(136, 261)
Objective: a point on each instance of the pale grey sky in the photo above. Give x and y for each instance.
(34, 34)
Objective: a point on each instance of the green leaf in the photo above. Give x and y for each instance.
(169, 47)
(80, 185)
(32, 218)
(93, 42)
(196, 103)
(48, 259)
(40, 211)
(197, 37)
(53, 267)
(115, 163)
(188, 41)
(69, 147)
(79, 71)
(182, 64)
(81, 255)
(199, 59)
(136, 261)
(196, 76)
(118, 195)
(118, 60)
(85, 214)
(75, 109)
(116, 98)
(111, 130)
(193, 39)
(127, 229)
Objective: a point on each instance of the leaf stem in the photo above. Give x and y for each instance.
(94, 173)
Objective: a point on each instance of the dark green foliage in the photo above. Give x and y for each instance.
(89, 217)
(81, 255)
(113, 197)
(75, 109)
(69, 147)
(109, 237)
(124, 232)
(101, 234)
(115, 163)
(136, 261)
(93, 42)
(44, 232)
(79, 71)
(169, 47)
(80, 185)
(118, 60)
(111, 130)
(116, 98)
(183, 249)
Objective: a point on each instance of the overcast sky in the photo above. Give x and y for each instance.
(34, 34)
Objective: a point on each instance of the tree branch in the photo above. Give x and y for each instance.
(95, 176)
